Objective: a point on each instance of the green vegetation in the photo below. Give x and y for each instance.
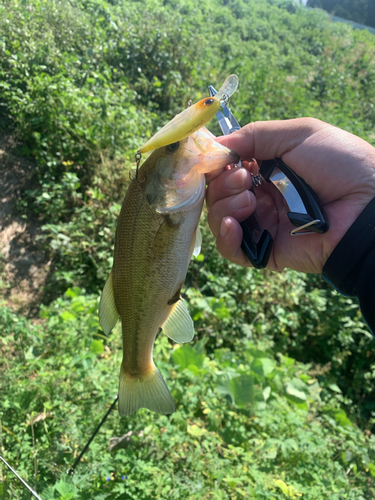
(249, 422)
(274, 397)
(360, 11)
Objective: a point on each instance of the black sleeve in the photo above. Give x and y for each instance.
(351, 266)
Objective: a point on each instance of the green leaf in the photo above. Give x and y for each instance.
(219, 308)
(75, 291)
(266, 392)
(97, 346)
(196, 431)
(224, 388)
(66, 490)
(296, 391)
(263, 366)
(342, 419)
(335, 388)
(67, 316)
(186, 357)
(3, 491)
(244, 391)
(371, 468)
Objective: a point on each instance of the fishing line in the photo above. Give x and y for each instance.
(71, 470)
(20, 478)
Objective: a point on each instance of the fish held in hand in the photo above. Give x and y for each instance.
(157, 233)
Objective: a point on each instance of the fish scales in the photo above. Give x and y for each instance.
(156, 234)
(149, 249)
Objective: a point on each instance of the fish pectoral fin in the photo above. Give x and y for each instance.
(184, 199)
(108, 314)
(179, 326)
(197, 243)
(144, 391)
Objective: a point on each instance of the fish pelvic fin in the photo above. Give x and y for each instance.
(179, 326)
(197, 242)
(144, 391)
(108, 314)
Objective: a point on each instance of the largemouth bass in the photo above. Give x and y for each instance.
(157, 233)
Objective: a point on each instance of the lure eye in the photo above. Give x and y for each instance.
(208, 102)
(173, 147)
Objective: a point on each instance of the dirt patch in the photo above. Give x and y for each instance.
(24, 266)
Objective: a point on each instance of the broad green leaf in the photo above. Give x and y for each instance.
(186, 356)
(283, 487)
(223, 386)
(296, 391)
(66, 490)
(371, 468)
(75, 291)
(67, 316)
(244, 391)
(97, 346)
(342, 419)
(195, 431)
(335, 388)
(263, 366)
(219, 308)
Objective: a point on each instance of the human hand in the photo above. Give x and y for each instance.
(339, 167)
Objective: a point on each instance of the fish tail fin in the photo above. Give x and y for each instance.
(146, 391)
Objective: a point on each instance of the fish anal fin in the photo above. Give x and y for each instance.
(144, 391)
(108, 314)
(179, 326)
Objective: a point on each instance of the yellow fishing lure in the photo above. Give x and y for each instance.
(192, 118)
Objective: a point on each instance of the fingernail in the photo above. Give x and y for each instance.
(224, 228)
(236, 179)
(242, 200)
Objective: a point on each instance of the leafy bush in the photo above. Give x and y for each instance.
(247, 423)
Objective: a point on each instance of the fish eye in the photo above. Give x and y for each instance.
(173, 147)
(208, 102)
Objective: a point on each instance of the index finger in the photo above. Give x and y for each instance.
(314, 149)
(268, 140)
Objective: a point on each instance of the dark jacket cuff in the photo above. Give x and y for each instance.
(351, 266)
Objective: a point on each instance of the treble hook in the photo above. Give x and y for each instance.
(138, 157)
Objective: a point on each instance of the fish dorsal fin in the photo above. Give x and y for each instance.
(179, 326)
(184, 199)
(108, 314)
(198, 242)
